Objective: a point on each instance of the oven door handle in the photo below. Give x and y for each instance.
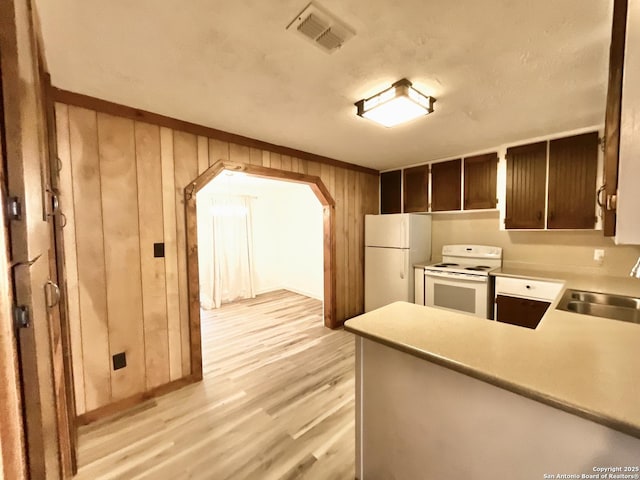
(467, 278)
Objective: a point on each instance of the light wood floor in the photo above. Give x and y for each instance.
(276, 402)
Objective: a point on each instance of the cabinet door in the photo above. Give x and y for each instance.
(416, 189)
(628, 219)
(612, 115)
(480, 173)
(573, 164)
(520, 311)
(526, 182)
(390, 188)
(446, 185)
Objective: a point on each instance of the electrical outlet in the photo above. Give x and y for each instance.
(119, 361)
(158, 250)
(598, 256)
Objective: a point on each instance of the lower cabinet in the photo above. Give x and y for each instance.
(523, 312)
(523, 301)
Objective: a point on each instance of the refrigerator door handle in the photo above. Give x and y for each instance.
(405, 261)
(403, 237)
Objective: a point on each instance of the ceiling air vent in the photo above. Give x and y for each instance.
(322, 28)
(330, 40)
(312, 27)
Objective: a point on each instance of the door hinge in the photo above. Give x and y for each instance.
(14, 208)
(21, 317)
(611, 202)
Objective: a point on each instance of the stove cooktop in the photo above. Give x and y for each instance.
(472, 260)
(460, 268)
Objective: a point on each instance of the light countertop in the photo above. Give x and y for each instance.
(585, 365)
(595, 283)
(422, 265)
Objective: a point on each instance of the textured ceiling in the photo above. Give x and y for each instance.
(501, 70)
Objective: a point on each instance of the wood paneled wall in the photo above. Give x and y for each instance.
(122, 191)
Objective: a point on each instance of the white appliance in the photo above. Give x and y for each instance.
(461, 282)
(393, 243)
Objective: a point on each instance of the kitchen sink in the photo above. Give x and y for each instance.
(617, 307)
(606, 299)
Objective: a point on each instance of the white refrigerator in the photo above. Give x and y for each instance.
(393, 244)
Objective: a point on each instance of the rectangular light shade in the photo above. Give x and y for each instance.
(396, 105)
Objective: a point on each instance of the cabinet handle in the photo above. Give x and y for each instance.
(55, 203)
(54, 298)
(55, 209)
(599, 194)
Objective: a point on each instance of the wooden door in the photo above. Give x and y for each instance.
(32, 242)
(573, 164)
(446, 185)
(13, 457)
(523, 312)
(416, 189)
(480, 179)
(62, 398)
(526, 185)
(390, 192)
(56, 297)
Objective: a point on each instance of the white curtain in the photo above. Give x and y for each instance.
(225, 249)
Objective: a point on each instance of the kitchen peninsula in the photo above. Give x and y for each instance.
(446, 395)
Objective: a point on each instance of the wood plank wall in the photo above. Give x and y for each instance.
(122, 184)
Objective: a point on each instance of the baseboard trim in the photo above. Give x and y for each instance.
(289, 289)
(302, 292)
(130, 402)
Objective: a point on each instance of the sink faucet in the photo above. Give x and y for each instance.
(635, 271)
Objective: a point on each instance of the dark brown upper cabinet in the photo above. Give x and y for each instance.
(612, 116)
(416, 189)
(390, 192)
(526, 181)
(446, 185)
(621, 196)
(573, 164)
(480, 174)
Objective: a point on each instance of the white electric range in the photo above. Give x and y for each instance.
(461, 282)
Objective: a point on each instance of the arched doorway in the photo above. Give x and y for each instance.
(328, 206)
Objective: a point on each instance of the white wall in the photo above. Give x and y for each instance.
(301, 229)
(548, 250)
(266, 241)
(287, 233)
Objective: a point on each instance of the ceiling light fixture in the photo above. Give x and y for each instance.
(395, 105)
